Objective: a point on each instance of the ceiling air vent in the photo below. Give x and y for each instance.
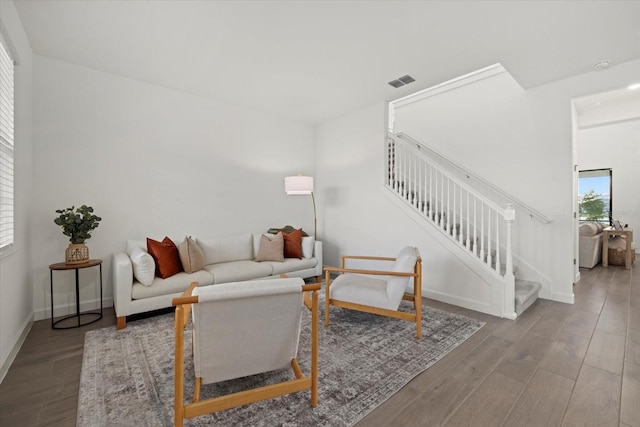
(401, 81)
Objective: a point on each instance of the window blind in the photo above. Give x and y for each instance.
(6, 148)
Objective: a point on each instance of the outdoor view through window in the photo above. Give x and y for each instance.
(594, 195)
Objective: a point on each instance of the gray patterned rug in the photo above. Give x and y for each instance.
(127, 376)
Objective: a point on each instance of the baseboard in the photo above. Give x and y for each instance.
(22, 335)
(65, 309)
(565, 298)
(458, 301)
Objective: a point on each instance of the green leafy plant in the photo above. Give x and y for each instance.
(77, 223)
(592, 206)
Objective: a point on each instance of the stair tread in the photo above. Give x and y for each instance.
(525, 289)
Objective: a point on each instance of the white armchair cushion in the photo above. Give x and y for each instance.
(361, 289)
(245, 328)
(144, 268)
(377, 291)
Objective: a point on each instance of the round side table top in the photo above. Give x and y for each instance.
(65, 266)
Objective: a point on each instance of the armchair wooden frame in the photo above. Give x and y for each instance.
(196, 408)
(416, 297)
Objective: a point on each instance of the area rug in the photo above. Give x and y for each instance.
(127, 376)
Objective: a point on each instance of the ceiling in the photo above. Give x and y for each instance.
(312, 61)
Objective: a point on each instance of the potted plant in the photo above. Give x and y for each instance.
(78, 225)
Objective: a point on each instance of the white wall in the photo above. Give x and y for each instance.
(616, 146)
(525, 148)
(153, 162)
(16, 292)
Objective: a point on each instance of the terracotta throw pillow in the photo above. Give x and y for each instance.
(191, 255)
(271, 248)
(165, 254)
(293, 244)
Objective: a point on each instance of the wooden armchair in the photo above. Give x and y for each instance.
(378, 291)
(242, 329)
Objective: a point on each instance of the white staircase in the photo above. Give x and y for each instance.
(467, 218)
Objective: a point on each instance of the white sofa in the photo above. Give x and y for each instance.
(227, 259)
(590, 244)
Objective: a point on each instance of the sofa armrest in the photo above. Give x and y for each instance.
(122, 283)
(317, 253)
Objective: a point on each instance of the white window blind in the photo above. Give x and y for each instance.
(6, 148)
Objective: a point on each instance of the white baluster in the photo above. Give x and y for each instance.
(431, 193)
(442, 199)
(474, 244)
(489, 257)
(448, 209)
(468, 229)
(481, 230)
(509, 279)
(460, 216)
(424, 189)
(497, 243)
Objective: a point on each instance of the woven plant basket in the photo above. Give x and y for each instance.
(77, 254)
(617, 256)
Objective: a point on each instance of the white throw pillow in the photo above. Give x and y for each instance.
(132, 244)
(307, 246)
(144, 268)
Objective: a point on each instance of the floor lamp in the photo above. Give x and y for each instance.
(300, 185)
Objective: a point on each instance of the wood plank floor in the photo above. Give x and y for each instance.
(557, 364)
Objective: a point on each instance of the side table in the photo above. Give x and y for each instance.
(610, 231)
(64, 266)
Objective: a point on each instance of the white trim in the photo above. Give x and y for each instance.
(15, 348)
(562, 297)
(467, 79)
(66, 309)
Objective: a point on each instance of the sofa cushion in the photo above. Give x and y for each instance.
(165, 254)
(271, 248)
(589, 229)
(177, 283)
(237, 271)
(293, 244)
(144, 267)
(226, 249)
(292, 264)
(191, 255)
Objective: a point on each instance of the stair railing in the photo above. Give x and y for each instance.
(469, 218)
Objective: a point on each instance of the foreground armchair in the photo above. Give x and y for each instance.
(242, 329)
(378, 291)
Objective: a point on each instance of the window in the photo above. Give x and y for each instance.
(594, 195)
(6, 149)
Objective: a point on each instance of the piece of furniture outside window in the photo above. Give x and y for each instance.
(242, 329)
(378, 291)
(94, 316)
(627, 233)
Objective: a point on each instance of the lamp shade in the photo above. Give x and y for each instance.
(298, 185)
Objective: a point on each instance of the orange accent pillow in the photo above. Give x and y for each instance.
(166, 256)
(293, 244)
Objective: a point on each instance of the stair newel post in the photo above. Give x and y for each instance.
(431, 193)
(509, 278)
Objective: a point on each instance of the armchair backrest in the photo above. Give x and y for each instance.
(405, 263)
(245, 328)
